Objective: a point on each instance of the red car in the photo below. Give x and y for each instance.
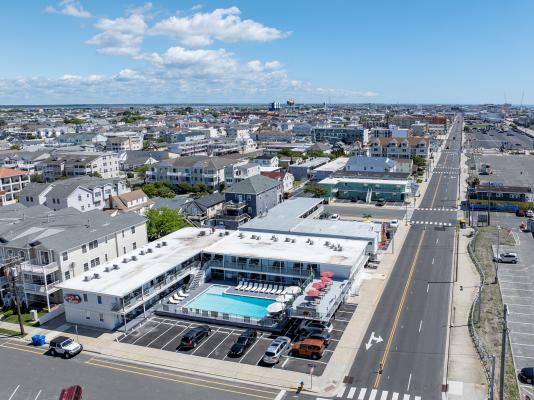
(71, 393)
(520, 213)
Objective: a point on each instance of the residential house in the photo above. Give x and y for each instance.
(12, 181)
(123, 141)
(78, 164)
(267, 161)
(200, 211)
(400, 147)
(345, 134)
(136, 201)
(239, 171)
(286, 178)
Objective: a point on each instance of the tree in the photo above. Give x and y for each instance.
(129, 175)
(73, 120)
(141, 169)
(158, 189)
(315, 153)
(315, 189)
(222, 186)
(473, 181)
(419, 161)
(200, 187)
(146, 144)
(162, 221)
(14, 147)
(95, 174)
(37, 178)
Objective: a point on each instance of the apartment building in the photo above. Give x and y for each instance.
(79, 164)
(84, 193)
(268, 135)
(192, 170)
(345, 134)
(239, 171)
(57, 246)
(12, 181)
(400, 147)
(124, 141)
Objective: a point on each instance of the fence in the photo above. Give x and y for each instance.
(485, 357)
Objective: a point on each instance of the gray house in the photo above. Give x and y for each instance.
(248, 199)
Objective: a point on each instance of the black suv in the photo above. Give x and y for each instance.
(527, 375)
(243, 342)
(194, 336)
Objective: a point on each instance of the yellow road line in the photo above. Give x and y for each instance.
(174, 374)
(153, 375)
(404, 293)
(14, 346)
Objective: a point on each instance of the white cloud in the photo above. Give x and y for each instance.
(223, 24)
(120, 36)
(70, 8)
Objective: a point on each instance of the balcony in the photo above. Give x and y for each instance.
(37, 288)
(34, 268)
(235, 206)
(273, 270)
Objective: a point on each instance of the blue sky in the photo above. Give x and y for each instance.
(81, 51)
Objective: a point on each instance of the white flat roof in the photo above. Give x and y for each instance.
(333, 181)
(333, 165)
(181, 245)
(300, 251)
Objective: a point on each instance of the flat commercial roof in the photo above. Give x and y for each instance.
(293, 207)
(300, 251)
(334, 165)
(181, 245)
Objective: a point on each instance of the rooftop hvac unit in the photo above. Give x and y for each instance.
(107, 269)
(96, 276)
(142, 253)
(258, 237)
(241, 236)
(221, 234)
(253, 237)
(164, 243)
(86, 278)
(311, 242)
(327, 243)
(226, 233)
(158, 245)
(149, 250)
(125, 260)
(134, 258)
(116, 266)
(287, 240)
(340, 248)
(293, 240)
(202, 233)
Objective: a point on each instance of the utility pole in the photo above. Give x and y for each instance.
(498, 253)
(14, 274)
(503, 351)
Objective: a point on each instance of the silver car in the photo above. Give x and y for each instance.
(276, 349)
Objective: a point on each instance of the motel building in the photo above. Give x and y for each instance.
(229, 277)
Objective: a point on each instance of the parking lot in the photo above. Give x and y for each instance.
(512, 170)
(164, 333)
(493, 139)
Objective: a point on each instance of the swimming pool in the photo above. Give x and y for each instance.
(214, 299)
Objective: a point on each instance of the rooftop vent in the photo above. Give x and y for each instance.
(202, 233)
(287, 240)
(226, 233)
(86, 278)
(96, 276)
(107, 269)
(293, 240)
(221, 234)
(149, 250)
(125, 260)
(116, 266)
(253, 237)
(164, 243)
(241, 236)
(134, 258)
(258, 237)
(142, 253)
(327, 243)
(158, 245)
(310, 242)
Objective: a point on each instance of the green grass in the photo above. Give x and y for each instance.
(9, 332)
(490, 327)
(11, 316)
(297, 182)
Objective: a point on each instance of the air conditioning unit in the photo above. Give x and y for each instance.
(221, 234)
(287, 240)
(202, 233)
(86, 278)
(226, 233)
(96, 276)
(327, 243)
(149, 250)
(134, 258)
(164, 243)
(253, 237)
(142, 253)
(158, 245)
(125, 260)
(107, 269)
(116, 266)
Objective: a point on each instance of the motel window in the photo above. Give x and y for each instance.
(101, 317)
(64, 256)
(67, 275)
(84, 248)
(85, 267)
(124, 250)
(87, 315)
(134, 245)
(99, 299)
(85, 297)
(106, 256)
(133, 229)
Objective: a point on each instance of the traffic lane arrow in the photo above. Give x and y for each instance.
(372, 340)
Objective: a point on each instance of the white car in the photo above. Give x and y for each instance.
(324, 326)
(334, 216)
(275, 350)
(530, 214)
(508, 258)
(394, 223)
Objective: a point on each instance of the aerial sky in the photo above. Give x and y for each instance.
(351, 51)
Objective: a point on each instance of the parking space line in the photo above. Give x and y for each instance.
(221, 342)
(525, 357)
(174, 338)
(144, 334)
(38, 394)
(522, 344)
(298, 358)
(176, 377)
(522, 323)
(204, 341)
(14, 391)
(148, 345)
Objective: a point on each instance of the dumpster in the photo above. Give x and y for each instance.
(38, 340)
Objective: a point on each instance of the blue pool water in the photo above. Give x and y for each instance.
(214, 299)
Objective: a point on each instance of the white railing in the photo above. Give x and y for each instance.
(30, 266)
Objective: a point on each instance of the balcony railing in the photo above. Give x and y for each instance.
(294, 272)
(235, 206)
(39, 288)
(33, 267)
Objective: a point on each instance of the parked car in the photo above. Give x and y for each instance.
(508, 258)
(244, 341)
(71, 393)
(64, 346)
(526, 375)
(380, 202)
(275, 350)
(311, 348)
(324, 326)
(394, 223)
(530, 214)
(194, 336)
(315, 334)
(520, 213)
(334, 216)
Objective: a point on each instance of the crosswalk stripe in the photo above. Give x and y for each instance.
(417, 397)
(395, 396)
(351, 393)
(384, 395)
(372, 396)
(340, 394)
(362, 394)
(406, 397)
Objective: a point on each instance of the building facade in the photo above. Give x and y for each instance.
(12, 182)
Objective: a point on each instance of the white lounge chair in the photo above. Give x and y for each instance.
(258, 288)
(268, 290)
(253, 288)
(265, 287)
(240, 285)
(176, 296)
(275, 289)
(181, 292)
(173, 301)
(280, 289)
(245, 286)
(284, 291)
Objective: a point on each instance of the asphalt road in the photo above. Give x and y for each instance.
(412, 315)
(27, 374)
